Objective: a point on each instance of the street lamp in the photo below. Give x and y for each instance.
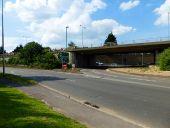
(168, 26)
(3, 38)
(66, 36)
(46, 2)
(82, 34)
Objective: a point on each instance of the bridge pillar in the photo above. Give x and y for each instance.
(72, 59)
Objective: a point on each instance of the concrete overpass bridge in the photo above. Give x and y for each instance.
(141, 54)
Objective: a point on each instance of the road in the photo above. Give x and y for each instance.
(139, 99)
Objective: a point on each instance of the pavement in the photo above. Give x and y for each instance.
(124, 101)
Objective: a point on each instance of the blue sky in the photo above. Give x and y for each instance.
(28, 20)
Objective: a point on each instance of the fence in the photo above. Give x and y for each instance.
(147, 40)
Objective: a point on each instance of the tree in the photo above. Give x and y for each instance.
(48, 61)
(72, 45)
(164, 60)
(63, 57)
(47, 49)
(34, 55)
(110, 40)
(30, 52)
(1, 50)
(18, 49)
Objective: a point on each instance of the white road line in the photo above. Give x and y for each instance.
(126, 81)
(92, 76)
(135, 78)
(142, 79)
(71, 80)
(136, 83)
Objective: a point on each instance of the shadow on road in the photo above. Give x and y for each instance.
(10, 83)
(45, 78)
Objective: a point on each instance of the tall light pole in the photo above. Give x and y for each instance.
(168, 26)
(46, 2)
(82, 34)
(3, 38)
(66, 35)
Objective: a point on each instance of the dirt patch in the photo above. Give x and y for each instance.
(151, 70)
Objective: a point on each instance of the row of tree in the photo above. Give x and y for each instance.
(34, 55)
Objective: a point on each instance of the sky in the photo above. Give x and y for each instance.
(45, 21)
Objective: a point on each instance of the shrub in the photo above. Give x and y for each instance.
(29, 53)
(48, 61)
(34, 55)
(13, 60)
(164, 60)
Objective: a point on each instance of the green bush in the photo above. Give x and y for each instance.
(29, 52)
(48, 61)
(164, 60)
(36, 56)
(13, 60)
(69, 66)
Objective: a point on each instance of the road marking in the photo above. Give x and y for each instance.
(142, 79)
(136, 83)
(92, 76)
(54, 90)
(135, 77)
(126, 81)
(103, 74)
(71, 80)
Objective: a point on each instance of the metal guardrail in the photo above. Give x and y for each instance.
(148, 40)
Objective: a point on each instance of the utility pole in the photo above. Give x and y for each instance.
(82, 34)
(168, 26)
(46, 2)
(66, 35)
(3, 38)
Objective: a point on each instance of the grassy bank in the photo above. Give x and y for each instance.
(18, 110)
(151, 71)
(18, 79)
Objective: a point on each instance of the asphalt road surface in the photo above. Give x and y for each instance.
(139, 99)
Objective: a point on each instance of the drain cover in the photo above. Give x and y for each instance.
(92, 105)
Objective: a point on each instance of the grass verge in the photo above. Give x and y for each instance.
(18, 79)
(18, 110)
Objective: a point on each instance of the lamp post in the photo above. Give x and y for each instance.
(3, 38)
(46, 2)
(66, 35)
(168, 26)
(82, 34)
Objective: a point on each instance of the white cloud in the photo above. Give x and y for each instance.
(129, 5)
(47, 22)
(162, 12)
(111, 25)
(10, 43)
